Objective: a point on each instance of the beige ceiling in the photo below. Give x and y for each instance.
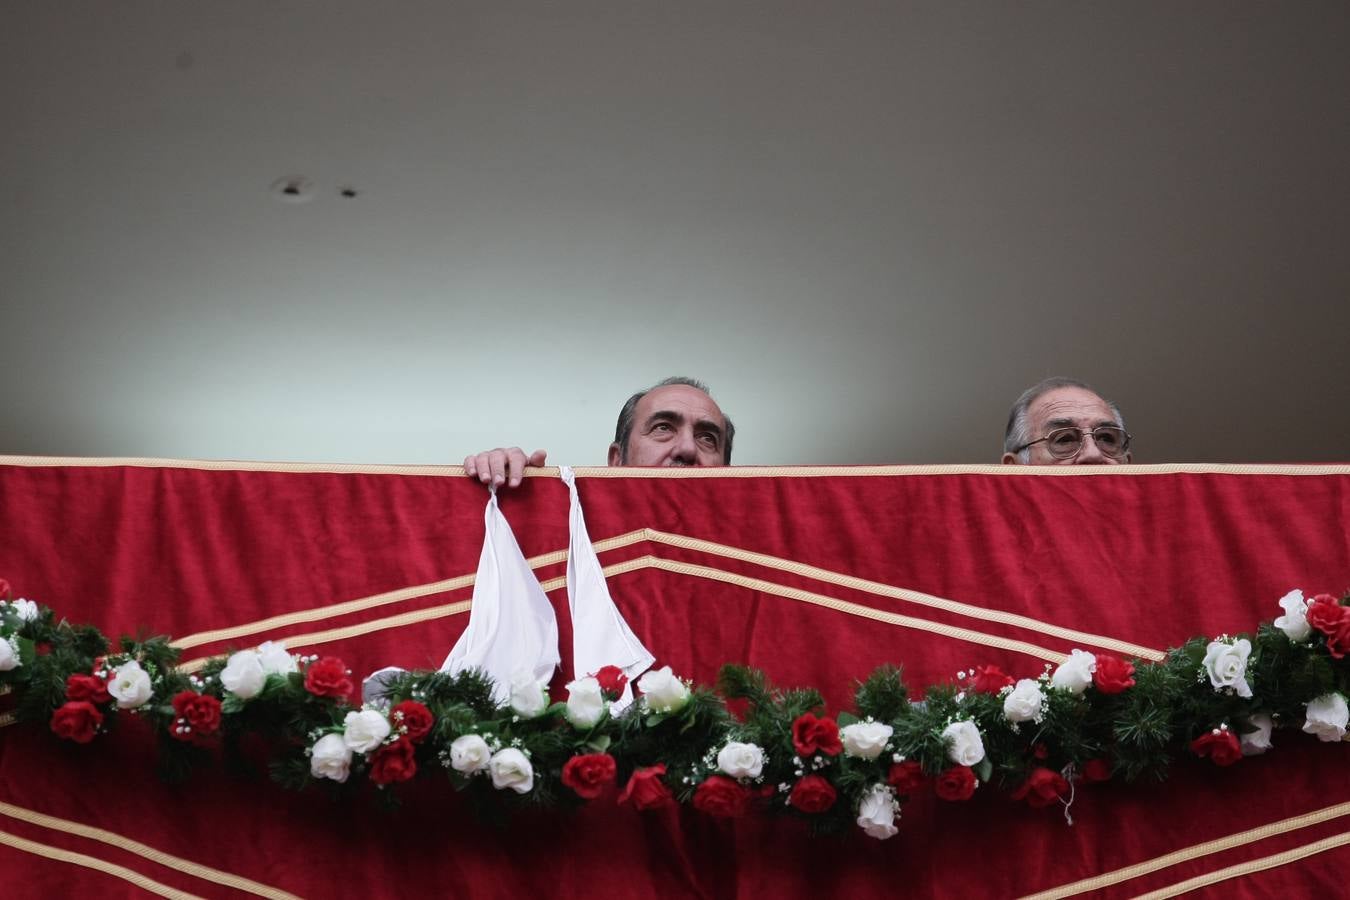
(868, 225)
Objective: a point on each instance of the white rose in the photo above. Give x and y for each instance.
(528, 696)
(1227, 665)
(511, 769)
(1075, 673)
(865, 740)
(1294, 622)
(964, 744)
(26, 609)
(243, 675)
(876, 813)
(1327, 717)
(585, 702)
(1023, 703)
(1254, 743)
(663, 691)
(130, 685)
(469, 753)
(9, 655)
(330, 757)
(365, 730)
(275, 659)
(741, 760)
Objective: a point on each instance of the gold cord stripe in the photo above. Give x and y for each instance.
(90, 862)
(362, 604)
(1079, 638)
(1197, 851)
(1247, 868)
(696, 472)
(122, 842)
(843, 606)
(653, 562)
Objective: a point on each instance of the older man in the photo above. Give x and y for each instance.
(1063, 422)
(673, 423)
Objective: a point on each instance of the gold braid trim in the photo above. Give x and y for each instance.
(122, 842)
(89, 862)
(1247, 868)
(218, 465)
(1197, 851)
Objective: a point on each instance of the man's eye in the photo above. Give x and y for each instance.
(1107, 438)
(1064, 438)
(708, 438)
(662, 426)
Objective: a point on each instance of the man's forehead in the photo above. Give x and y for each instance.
(1071, 405)
(681, 399)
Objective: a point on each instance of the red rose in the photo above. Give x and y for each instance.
(812, 794)
(77, 720)
(1113, 674)
(1097, 769)
(588, 774)
(42, 648)
(327, 677)
(415, 717)
(811, 735)
(1338, 643)
(990, 679)
(393, 762)
(720, 796)
(646, 790)
(90, 688)
(1325, 613)
(1220, 745)
(957, 783)
(612, 681)
(906, 777)
(196, 716)
(1042, 787)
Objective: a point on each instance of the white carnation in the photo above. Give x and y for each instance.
(130, 685)
(275, 659)
(1024, 702)
(741, 760)
(1327, 717)
(9, 654)
(364, 730)
(876, 813)
(664, 692)
(1254, 743)
(511, 769)
(965, 747)
(1075, 673)
(469, 753)
(243, 675)
(528, 696)
(1294, 622)
(585, 702)
(865, 740)
(1226, 665)
(26, 609)
(330, 757)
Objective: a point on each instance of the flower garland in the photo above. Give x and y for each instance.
(1092, 718)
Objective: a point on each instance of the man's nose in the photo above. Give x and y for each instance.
(1089, 454)
(686, 449)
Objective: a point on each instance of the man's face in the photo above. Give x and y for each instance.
(1068, 407)
(675, 425)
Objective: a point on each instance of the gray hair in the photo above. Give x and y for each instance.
(624, 429)
(1018, 432)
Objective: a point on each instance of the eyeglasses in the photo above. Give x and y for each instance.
(1065, 443)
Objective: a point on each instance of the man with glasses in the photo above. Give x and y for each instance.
(1063, 422)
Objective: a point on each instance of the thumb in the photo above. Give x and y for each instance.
(537, 458)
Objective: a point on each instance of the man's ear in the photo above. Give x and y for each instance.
(615, 457)
(1129, 456)
(1010, 459)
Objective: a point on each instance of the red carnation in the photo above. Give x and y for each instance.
(812, 794)
(720, 796)
(1042, 787)
(1220, 745)
(196, 716)
(393, 762)
(646, 790)
(77, 720)
(1097, 769)
(1338, 643)
(957, 783)
(612, 682)
(1114, 675)
(990, 679)
(906, 777)
(90, 688)
(811, 735)
(415, 717)
(327, 677)
(589, 773)
(1325, 613)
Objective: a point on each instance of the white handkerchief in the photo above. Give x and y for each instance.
(600, 636)
(512, 630)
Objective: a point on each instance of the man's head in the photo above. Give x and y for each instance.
(675, 423)
(1061, 422)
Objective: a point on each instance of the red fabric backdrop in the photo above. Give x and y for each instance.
(724, 567)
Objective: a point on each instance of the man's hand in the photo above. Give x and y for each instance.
(505, 465)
